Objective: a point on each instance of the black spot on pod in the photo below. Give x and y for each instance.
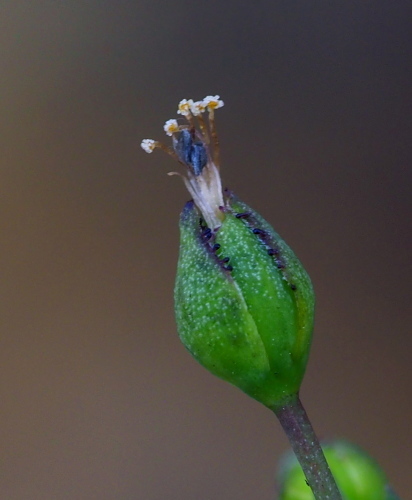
(225, 260)
(207, 233)
(242, 215)
(293, 287)
(258, 231)
(216, 247)
(273, 251)
(229, 268)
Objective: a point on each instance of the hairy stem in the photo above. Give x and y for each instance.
(295, 422)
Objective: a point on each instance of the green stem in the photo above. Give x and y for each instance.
(295, 422)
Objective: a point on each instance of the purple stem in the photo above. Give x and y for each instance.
(295, 422)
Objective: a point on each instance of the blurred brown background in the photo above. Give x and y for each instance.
(99, 400)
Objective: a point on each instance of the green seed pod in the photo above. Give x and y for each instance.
(357, 475)
(244, 304)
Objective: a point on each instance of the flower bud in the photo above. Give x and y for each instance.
(357, 475)
(244, 304)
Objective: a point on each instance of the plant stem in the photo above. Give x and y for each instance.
(295, 422)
